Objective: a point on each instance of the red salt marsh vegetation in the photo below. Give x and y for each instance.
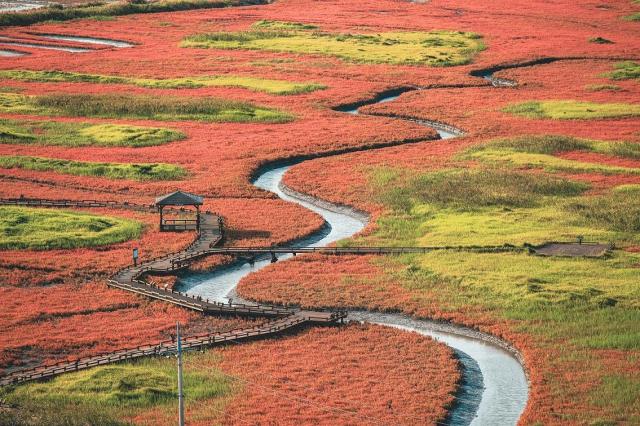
(580, 372)
(409, 384)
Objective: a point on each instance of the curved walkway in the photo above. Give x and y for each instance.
(129, 279)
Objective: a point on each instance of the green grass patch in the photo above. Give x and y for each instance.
(284, 26)
(618, 211)
(83, 134)
(572, 306)
(548, 162)
(511, 211)
(140, 172)
(435, 48)
(45, 229)
(540, 151)
(555, 144)
(633, 17)
(600, 40)
(100, 11)
(603, 88)
(627, 391)
(627, 70)
(469, 190)
(573, 110)
(277, 87)
(111, 395)
(141, 107)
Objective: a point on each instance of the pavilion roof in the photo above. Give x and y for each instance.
(179, 198)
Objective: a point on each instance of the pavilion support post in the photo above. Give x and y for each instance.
(198, 218)
(161, 220)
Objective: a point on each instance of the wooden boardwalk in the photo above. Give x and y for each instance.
(129, 279)
(254, 251)
(162, 348)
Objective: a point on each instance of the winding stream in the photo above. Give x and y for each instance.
(494, 386)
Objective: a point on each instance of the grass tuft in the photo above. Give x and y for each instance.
(111, 395)
(435, 48)
(45, 229)
(83, 134)
(633, 17)
(618, 211)
(276, 87)
(627, 70)
(141, 107)
(139, 172)
(603, 88)
(573, 110)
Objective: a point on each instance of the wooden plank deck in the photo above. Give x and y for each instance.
(253, 251)
(269, 328)
(209, 235)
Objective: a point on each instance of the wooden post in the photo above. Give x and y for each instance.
(180, 391)
(198, 218)
(161, 227)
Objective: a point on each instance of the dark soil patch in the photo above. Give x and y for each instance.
(572, 250)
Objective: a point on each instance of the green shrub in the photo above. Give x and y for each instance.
(600, 40)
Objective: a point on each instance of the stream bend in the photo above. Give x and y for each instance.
(494, 387)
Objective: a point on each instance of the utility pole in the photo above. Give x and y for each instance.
(180, 392)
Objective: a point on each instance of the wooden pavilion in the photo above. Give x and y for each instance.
(179, 199)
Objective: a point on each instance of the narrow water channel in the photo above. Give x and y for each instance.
(494, 388)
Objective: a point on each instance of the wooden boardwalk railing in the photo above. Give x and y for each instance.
(354, 250)
(166, 347)
(209, 235)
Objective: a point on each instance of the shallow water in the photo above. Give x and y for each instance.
(219, 285)
(12, 53)
(90, 40)
(499, 393)
(444, 133)
(14, 42)
(19, 6)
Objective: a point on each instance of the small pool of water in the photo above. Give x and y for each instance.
(12, 53)
(21, 43)
(89, 40)
(19, 6)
